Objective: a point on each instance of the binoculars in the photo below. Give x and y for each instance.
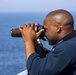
(16, 33)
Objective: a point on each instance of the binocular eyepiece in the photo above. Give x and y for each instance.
(16, 33)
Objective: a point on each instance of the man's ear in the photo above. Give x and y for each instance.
(58, 28)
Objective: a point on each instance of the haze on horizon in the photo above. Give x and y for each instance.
(36, 5)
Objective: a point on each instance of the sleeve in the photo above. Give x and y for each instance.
(30, 60)
(54, 63)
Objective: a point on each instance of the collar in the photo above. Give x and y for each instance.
(67, 37)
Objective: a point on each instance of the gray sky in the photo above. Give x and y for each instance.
(36, 5)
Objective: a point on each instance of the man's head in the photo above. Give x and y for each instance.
(58, 24)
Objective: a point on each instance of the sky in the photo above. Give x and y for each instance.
(36, 5)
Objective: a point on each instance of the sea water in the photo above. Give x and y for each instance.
(12, 50)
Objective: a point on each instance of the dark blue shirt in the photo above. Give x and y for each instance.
(60, 61)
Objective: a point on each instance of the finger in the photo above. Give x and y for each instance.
(38, 33)
(20, 29)
(28, 25)
(32, 26)
(24, 26)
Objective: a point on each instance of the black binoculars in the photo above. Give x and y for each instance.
(16, 33)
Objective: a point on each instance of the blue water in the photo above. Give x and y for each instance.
(12, 50)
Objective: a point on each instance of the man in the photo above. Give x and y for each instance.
(59, 31)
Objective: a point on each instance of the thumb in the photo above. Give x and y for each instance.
(40, 31)
(20, 29)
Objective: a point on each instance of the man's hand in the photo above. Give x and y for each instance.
(29, 35)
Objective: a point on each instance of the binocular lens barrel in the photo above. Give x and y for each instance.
(16, 33)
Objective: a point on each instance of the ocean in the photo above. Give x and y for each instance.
(12, 50)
